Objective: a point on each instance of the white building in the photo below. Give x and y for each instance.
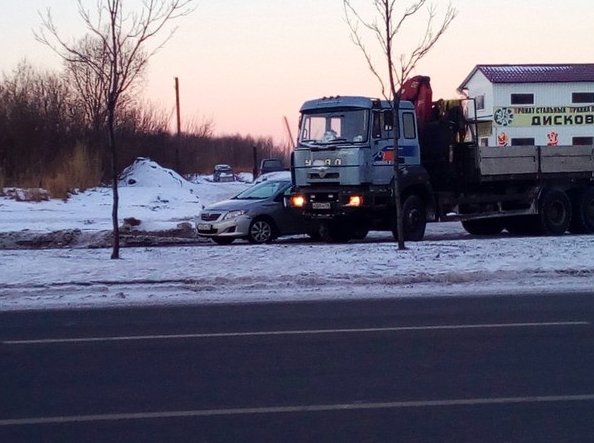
(536, 105)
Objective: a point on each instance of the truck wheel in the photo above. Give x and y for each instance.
(582, 220)
(414, 219)
(554, 212)
(360, 233)
(261, 231)
(521, 225)
(483, 226)
(336, 233)
(314, 235)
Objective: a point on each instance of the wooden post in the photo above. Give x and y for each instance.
(177, 145)
(255, 170)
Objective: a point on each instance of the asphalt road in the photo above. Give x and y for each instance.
(441, 370)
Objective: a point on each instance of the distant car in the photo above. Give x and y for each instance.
(270, 165)
(223, 173)
(259, 214)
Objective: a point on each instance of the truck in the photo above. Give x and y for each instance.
(343, 169)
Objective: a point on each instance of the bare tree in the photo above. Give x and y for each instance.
(393, 15)
(116, 54)
(89, 87)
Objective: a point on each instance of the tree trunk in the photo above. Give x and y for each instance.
(397, 200)
(115, 254)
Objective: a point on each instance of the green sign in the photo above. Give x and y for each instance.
(523, 116)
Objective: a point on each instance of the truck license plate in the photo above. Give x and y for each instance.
(320, 205)
(204, 227)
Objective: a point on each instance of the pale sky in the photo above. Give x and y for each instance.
(247, 63)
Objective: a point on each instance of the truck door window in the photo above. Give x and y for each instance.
(408, 125)
(382, 124)
(377, 125)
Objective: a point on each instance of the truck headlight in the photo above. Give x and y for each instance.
(233, 214)
(297, 201)
(355, 201)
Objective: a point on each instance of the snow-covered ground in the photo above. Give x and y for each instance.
(448, 262)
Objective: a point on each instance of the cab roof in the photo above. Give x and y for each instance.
(359, 102)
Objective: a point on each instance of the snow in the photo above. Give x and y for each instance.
(449, 261)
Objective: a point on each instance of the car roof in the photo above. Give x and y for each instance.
(274, 176)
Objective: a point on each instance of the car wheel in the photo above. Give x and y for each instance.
(223, 240)
(261, 231)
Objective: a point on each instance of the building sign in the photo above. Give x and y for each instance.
(523, 116)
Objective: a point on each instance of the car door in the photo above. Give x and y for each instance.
(288, 220)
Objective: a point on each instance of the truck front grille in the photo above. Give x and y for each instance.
(328, 176)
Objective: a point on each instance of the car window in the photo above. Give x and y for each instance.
(272, 164)
(262, 190)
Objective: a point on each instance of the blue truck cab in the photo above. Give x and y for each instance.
(349, 141)
(344, 162)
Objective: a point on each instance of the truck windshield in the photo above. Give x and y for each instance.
(348, 126)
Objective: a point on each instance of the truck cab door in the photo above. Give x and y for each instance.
(382, 147)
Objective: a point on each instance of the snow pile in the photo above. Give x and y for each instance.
(158, 197)
(146, 173)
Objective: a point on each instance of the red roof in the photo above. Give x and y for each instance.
(537, 73)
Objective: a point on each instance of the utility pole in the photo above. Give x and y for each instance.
(177, 145)
(255, 156)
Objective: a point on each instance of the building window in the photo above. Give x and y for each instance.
(522, 142)
(522, 99)
(480, 102)
(582, 97)
(484, 129)
(583, 141)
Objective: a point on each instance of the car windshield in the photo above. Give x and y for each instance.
(263, 190)
(346, 126)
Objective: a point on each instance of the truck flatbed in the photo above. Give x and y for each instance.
(533, 161)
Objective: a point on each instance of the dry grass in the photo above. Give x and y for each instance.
(2, 181)
(80, 171)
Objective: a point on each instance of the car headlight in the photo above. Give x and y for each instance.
(233, 214)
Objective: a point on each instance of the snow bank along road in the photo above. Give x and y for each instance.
(448, 262)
